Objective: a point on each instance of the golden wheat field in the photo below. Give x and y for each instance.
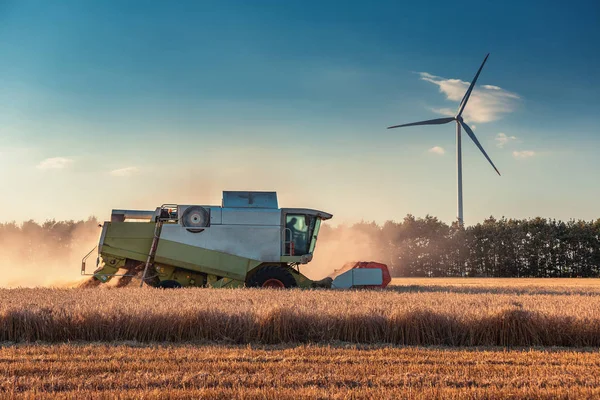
(566, 284)
(438, 313)
(474, 338)
(291, 372)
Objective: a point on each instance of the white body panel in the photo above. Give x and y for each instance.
(251, 216)
(257, 242)
(216, 216)
(240, 216)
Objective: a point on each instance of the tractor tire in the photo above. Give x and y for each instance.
(272, 276)
(169, 284)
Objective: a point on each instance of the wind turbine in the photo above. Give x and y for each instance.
(459, 122)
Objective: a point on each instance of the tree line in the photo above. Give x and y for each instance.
(428, 247)
(417, 247)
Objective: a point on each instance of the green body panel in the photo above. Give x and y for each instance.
(184, 276)
(129, 240)
(106, 271)
(227, 283)
(203, 260)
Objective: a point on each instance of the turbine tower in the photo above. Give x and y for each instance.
(459, 122)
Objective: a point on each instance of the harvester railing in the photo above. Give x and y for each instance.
(84, 262)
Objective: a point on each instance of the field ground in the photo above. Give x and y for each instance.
(275, 372)
(252, 343)
(500, 282)
(449, 312)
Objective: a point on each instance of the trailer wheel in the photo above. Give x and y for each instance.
(169, 284)
(272, 276)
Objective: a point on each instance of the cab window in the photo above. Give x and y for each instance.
(296, 234)
(313, 240)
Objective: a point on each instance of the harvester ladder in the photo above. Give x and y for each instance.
(288, 245)
(153, 247)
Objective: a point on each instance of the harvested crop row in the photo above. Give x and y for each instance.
(514, 286)
(268, 372)
(297, 316)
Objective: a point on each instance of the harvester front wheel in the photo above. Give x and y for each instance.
(272, 276)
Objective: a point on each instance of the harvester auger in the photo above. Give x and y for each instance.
(247, 241)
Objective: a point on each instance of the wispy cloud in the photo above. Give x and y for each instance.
(523, 154)
(487, 102)
(127, 171)
(437, 150)
(55, 163)
(502, 139)
(449, 112)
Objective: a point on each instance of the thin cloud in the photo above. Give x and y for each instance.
(523, 154)
(437, 150)
(55, 163)
(127, 171)
(444, 111)
(502, 139)
(487, 102)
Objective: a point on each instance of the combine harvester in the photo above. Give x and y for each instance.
(247, 241)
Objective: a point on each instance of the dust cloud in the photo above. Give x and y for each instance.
(47, 254)
(338, 246)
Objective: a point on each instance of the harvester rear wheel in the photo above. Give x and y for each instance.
(272, 276)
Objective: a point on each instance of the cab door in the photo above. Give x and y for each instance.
(296, 234)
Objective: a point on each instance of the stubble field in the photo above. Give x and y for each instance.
(477, 338)
(293, 372)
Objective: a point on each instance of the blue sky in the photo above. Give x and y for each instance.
(129, 104)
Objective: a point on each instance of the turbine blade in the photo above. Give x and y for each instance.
(474, 139)
(463, 102)
(437, 121)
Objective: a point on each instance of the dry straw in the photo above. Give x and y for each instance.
(94, 371)
(299, 316)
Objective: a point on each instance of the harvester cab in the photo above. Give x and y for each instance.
(246, 241)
